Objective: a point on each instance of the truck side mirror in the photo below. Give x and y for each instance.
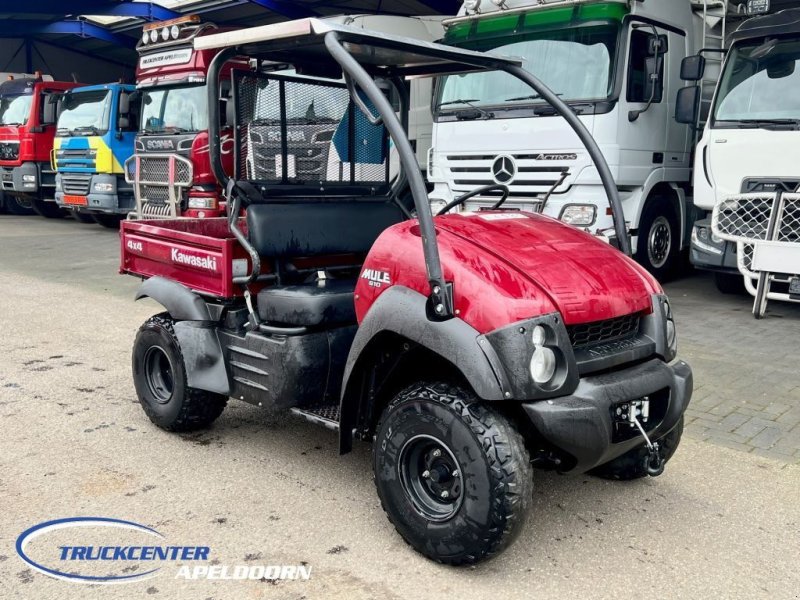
(124, 103)
(51, 109)
(687, 105)
(693, 68)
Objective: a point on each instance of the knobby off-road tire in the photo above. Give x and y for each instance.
(159, 375)
(489, 496)
(631, 465)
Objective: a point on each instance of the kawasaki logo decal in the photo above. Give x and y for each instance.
(202, 262)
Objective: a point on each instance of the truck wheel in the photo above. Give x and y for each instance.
(16, 205)
(453, 476)
(47, 209)
(110, 221)
(159, 376)
(729, 283)
(658, 248)
(631, 465)
(82, 217)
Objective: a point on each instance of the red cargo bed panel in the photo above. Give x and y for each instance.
(202, 254)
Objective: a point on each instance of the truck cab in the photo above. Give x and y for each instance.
(94, 137)
(617, 65)
(27, 129)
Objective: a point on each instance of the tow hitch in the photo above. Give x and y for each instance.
(631, 412)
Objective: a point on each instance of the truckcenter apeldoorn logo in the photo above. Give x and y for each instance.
(77, 550)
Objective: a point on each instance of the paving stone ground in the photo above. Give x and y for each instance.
(747, 381)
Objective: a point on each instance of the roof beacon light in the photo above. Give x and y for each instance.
(153, 35)
(145, 37)
(174, 31)
(165, 34)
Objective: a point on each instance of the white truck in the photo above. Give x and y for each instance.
(617, 64)
(746, 169)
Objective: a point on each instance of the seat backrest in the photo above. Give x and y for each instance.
(295, 229)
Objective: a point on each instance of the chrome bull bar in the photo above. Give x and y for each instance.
(766, 230)
(158, 182)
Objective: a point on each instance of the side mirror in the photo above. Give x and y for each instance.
(693, 68)
(51, 109)
(687, 105)
(124, 122)
(124, 103)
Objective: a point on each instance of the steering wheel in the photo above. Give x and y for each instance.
(487, 188)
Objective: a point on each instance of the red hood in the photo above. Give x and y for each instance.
(585, 278)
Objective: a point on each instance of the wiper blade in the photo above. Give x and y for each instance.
(91, 128)
(469, 115)
(530, 97)
(756, 123)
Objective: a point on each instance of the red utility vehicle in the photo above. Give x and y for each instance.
(28, 112)
(170, 169)
(467, 347)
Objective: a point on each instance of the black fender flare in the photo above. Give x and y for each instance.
(402, 311)
(196, 332)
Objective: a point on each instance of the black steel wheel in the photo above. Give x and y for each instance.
(453, 475)
(658, 245)
(159, 376)
(632, 464)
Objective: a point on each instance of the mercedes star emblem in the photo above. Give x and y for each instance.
(504, 169)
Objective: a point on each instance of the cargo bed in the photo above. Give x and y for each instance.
(201, 254)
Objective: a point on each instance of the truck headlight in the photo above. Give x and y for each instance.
(103, 188)
(706, 240)
(202, 202)
(29, 178)
(579, 215)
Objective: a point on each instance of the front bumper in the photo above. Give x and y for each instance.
(582, 425)
(23, 179)
(118, 201)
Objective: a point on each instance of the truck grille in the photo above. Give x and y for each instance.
(9, 150)
(533, 176)
(76, 185)
(618, 328)
(746, 218)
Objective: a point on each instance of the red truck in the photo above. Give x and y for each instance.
(28, 113)
(170, 170)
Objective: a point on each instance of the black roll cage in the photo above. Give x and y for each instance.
(334, 38)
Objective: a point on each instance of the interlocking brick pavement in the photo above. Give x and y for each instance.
(747, 381)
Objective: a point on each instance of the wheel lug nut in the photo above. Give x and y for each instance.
(445, 494)
(437, 453)
(455, 473)
(426, 474)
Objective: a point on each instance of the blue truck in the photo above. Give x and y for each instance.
(95, 135)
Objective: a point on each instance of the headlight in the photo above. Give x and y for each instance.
(29, 178)
(103, 188)
(175, 31)
(145, 37)
(579, 215)
(207, 202)
(543, 365)
(705, 240)
(153, 35)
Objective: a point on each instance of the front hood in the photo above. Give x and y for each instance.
(735, 156)
(585, 279)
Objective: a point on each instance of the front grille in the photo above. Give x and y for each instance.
(746, 218)
(9, 151)
(155, 194)
(534, 176)
(618, 328)
(76, 185)
(161, 182)
(156, 170)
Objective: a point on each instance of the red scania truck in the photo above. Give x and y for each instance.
(28, 110)
(170, 170)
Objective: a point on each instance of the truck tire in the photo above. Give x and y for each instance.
(47, 209)
(110, 221)
(730, 283)
(82, 217)
(159, 376)
(17, 205)
(631, 465)
(431, 440)
(658, 248)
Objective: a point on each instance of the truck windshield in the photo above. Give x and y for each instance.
(577, 63)
(14, 110)
(181, 109)
(85, 113)
(760, 85)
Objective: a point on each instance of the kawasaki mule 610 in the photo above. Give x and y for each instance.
(466, 347)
